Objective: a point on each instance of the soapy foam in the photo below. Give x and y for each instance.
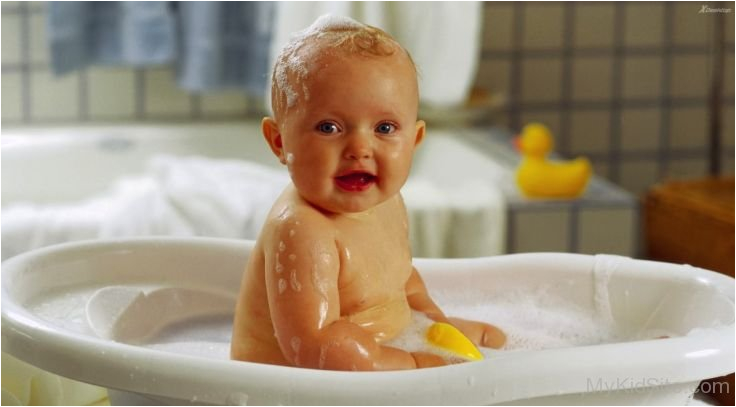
(290, 60)
(531, 320)
(292, 68)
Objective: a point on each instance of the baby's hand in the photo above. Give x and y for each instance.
(424, 359)
(481, 333)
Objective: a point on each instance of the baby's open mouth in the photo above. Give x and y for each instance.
(356, 181)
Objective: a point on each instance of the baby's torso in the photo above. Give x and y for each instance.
(375, 263)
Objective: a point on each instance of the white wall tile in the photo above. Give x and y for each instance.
(690, 27)
(642, 77)
(610, 231)
(541, 79)
(494, 75)
(590, 130)
(591, 78)
(498, 26)
(689, 127)
(544, 230)
(542, 25)
(10, 5)
(110, 93)
(690, 76)
(636, 176)
(12, 96)
(640, 129)
(39, 46)
(162, 95)
(644, 23)
(231, 103)
(688, 168)
(593, 24)
(54, 98)
(11, 48)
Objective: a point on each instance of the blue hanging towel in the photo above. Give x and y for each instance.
(224, 45)
(213, 45)
(110, 33)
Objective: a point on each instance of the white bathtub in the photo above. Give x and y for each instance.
(45, 294)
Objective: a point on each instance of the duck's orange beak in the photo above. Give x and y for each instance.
(516, 142)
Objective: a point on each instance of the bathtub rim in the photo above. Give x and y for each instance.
(27, 337)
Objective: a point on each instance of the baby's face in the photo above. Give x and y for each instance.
(349, 143)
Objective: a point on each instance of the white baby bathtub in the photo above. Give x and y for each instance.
(44, 322)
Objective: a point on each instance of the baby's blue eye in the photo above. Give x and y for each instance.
(386, 128)
(327, 128)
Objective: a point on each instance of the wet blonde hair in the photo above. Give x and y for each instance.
(328, 35)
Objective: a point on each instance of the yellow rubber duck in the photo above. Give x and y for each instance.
(537, 177)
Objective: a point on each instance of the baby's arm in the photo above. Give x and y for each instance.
(302, 269)
(479, 332)
(419, 299)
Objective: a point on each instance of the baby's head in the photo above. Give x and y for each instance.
(329, 37)
(345, 100)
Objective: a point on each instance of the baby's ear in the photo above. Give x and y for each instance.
(272, 134)
(421, 128)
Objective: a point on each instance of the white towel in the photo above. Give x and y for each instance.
(181, 196)
(463, 220)
(196, 196)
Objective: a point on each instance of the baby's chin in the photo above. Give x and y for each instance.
(346, 205)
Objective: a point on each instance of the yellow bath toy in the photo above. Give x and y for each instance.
(538, 177)
(450, 339)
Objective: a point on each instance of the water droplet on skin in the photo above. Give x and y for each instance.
(279, 266)
(292, 233)
(282, 246)
(295, 344)
(322, 356)
(289, 158)
(282, 285)
(295, 284)
(292, 257)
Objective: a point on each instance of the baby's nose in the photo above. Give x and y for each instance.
(358, 147)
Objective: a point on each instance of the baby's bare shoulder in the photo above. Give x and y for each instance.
(296, 223)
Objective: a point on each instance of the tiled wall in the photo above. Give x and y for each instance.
(623, 83)
(626, 83)
(31, 94)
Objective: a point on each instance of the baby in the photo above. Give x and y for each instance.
(330, 280)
